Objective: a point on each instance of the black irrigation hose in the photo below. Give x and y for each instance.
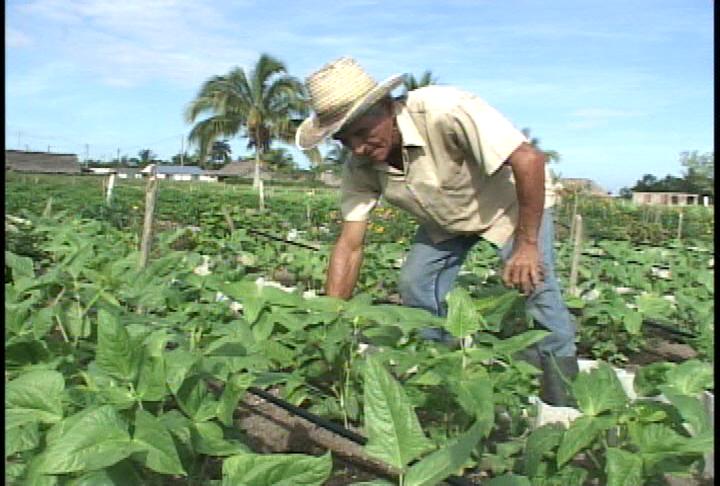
(333, 427)
(282, 240)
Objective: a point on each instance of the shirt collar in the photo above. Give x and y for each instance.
(408, 131)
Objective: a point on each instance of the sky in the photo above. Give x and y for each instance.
(618, 88)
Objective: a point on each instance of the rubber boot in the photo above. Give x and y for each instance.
(557, 374)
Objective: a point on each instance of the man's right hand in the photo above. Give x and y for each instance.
(345, 260)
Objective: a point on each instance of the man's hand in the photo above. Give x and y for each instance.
(524, 270)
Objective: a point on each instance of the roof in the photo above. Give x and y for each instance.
(173, 169)
(242, 168)
(41, 162)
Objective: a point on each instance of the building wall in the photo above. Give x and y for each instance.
(666, 198)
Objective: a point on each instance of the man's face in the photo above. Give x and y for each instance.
(371, 135)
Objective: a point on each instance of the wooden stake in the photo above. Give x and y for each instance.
(48, 207)
(679, 228)
(110, 185)
(261, 192)
(576, 255)
(228, 219)
(150, 198)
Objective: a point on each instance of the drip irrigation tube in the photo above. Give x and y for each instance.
(335, 428)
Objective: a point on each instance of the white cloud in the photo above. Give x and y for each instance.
(128, 43)
(594, 117)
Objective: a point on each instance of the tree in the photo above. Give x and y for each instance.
(410, 82)
(221, 152)
(279, 159)
(262, 105)
(146, 156)
(700, 171)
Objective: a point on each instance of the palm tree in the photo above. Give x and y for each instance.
(551, 155)
(262, 105)
(410, 83)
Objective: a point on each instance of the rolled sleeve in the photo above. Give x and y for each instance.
(359, 193)
(484, 133)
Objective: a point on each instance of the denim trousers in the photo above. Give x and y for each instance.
(430, 270)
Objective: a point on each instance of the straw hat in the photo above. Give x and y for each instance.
(339, 92)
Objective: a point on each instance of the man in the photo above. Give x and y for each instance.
(465, 173)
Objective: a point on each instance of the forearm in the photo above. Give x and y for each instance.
(529, 173)
(343, 271)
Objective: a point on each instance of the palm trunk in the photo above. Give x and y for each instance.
(256, 177)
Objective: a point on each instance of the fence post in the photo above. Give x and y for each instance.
(680, 224)
(150, 198)
(577, 223)
(48, 207)
(261, 192)
(110, 185)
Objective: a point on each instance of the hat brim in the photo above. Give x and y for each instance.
(311, 132)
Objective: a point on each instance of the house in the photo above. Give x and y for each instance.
(670, 198)
(177, 172)
(128, 173)
(41, 162)
(586, 186)
(242, 169)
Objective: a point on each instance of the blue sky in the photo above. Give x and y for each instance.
(619, 88)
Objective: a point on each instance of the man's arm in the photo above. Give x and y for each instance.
(524, 268)
(345, 260)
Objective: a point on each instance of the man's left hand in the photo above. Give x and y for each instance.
(524, 270)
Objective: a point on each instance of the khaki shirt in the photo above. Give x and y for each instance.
(454, 178)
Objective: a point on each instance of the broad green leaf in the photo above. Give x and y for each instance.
(235, 388)
(151, 379)
(654, 439)
(21, 438)
(195, 400)
(632, 321)
(393, 429)
(441, 463)
(598, 390)
(207, 438)
(21, 266)
(95, 438)
(42, 322)
(34, 396)
(623, 468)
(518, 342)
(116, 353)
(653, 306)
(155, 448)
(252, 308)
(276, 470)
(462, 317)
(475, 396)
(495, 307)
(691, 409)
(690, 377)
(582, 432)
(262, 328)
(178, 363)
(541, 441)
(121, 474)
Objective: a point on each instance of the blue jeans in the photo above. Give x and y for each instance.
(430, 271)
